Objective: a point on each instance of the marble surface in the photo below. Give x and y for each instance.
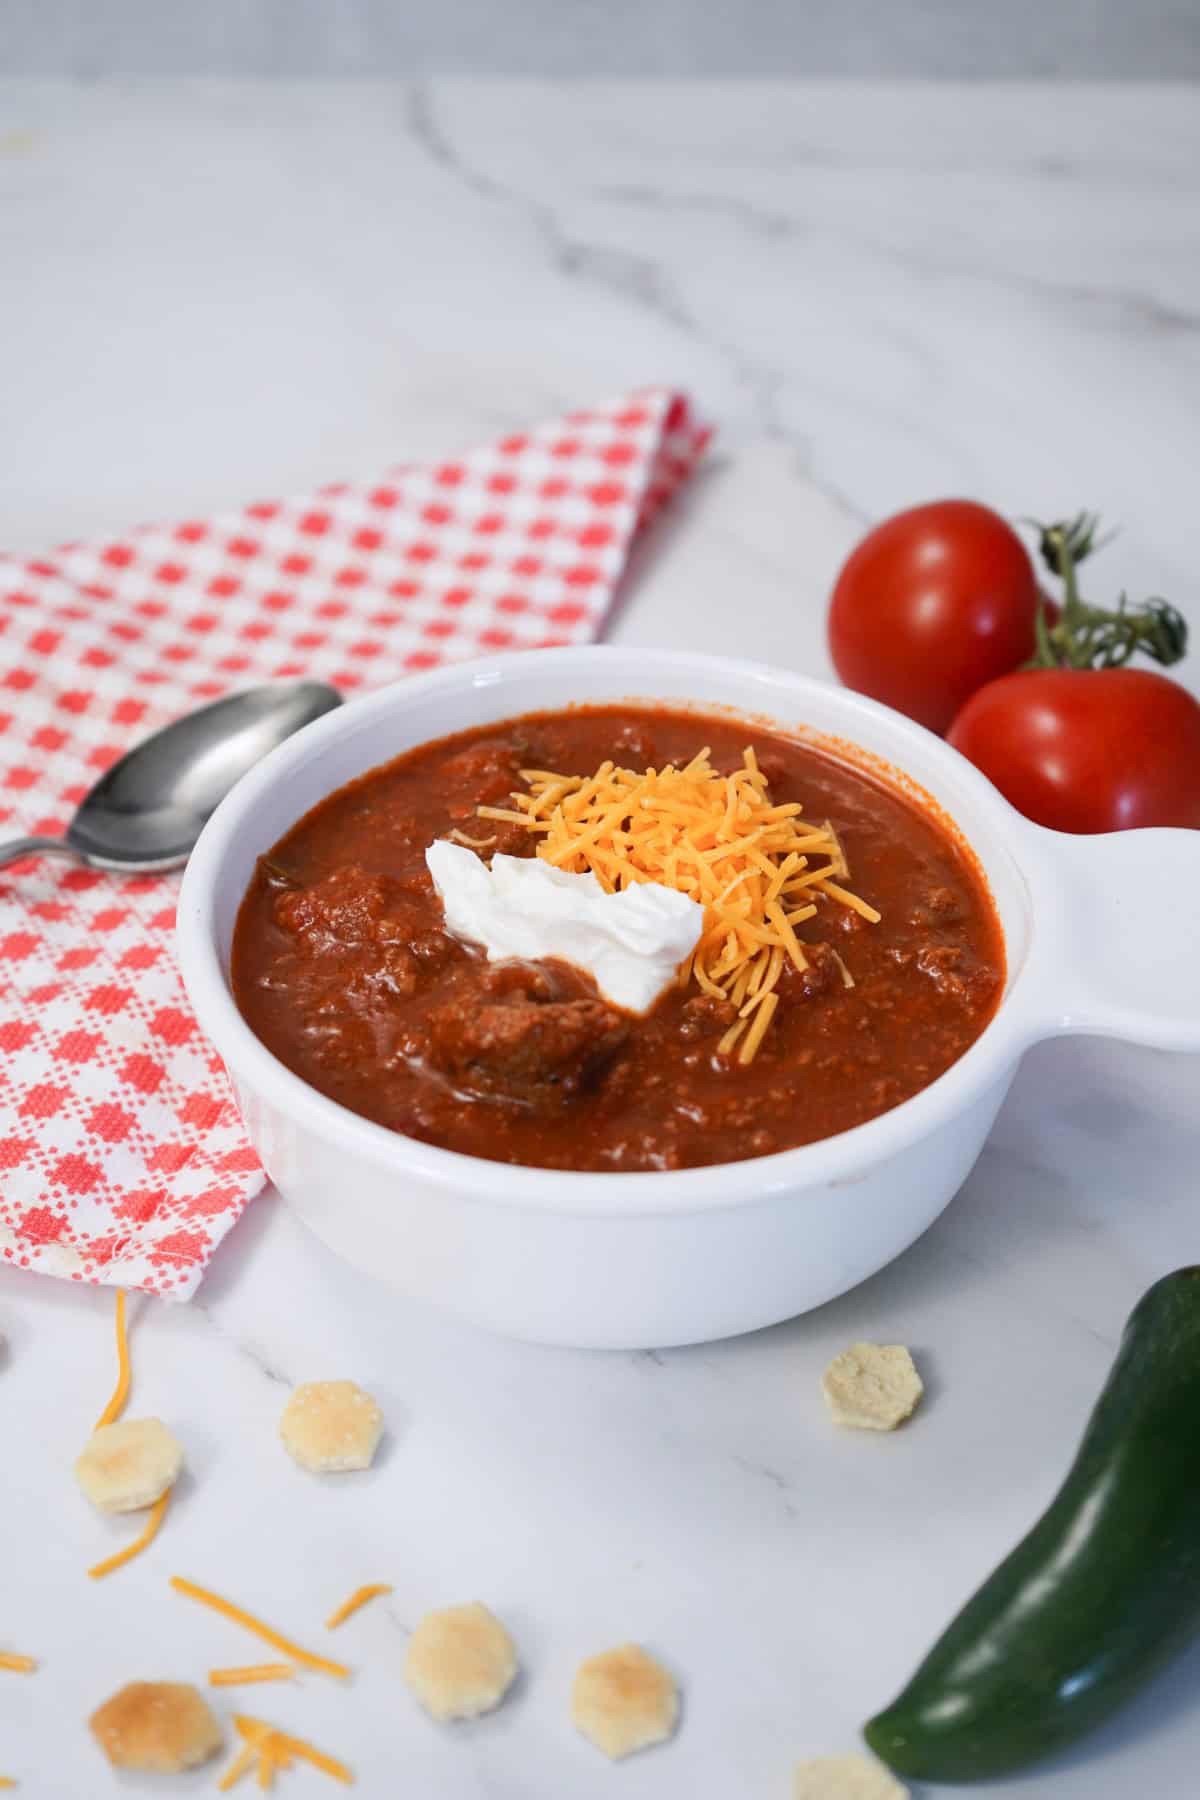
(880, 294)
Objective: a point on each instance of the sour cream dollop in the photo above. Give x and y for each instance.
(631, 943)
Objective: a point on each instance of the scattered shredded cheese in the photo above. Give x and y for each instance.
(757, 868)
(275, 1638)
(22, 1665)
(276, 1749)
(252, 1672)
(358, 1598)
(241, 1765)
(144, 1537)
(120, 1394)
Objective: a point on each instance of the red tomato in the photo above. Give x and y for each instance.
(1087, 749)
(931, 605)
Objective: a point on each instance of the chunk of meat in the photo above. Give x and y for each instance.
(515, 979)
(511, 840)
(845, 920)
(431, 949)
(822, 976)
(418, 882)
(937, 906)
(350, 908)
(527, 1050)
(956, 972)
(705, 1016)
(395, 975)
(484, 775)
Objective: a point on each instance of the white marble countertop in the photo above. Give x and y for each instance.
(209, 291)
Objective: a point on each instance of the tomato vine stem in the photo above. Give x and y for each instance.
(1096, 637)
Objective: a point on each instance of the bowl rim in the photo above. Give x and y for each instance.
(839, 1160)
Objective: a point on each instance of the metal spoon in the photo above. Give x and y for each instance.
(146, 812)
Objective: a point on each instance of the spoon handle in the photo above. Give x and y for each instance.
(18, 848)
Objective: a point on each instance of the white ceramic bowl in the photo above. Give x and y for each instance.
(1102, 934)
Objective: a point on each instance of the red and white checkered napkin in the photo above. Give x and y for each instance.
(122, 1158)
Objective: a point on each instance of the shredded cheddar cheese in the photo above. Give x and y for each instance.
(144, 1537)
(241, 1765)
(252, 1672)
(275, 1638)
(274, 1749)
(358, 1598)
(847, 977)
(120, 1394)
(757, 868)
(473, 843)
(21, 1665)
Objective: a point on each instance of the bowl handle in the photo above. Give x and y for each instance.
(1116, 945)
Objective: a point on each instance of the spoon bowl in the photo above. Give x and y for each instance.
(145, 813)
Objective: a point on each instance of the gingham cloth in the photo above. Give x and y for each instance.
(122, 1157)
